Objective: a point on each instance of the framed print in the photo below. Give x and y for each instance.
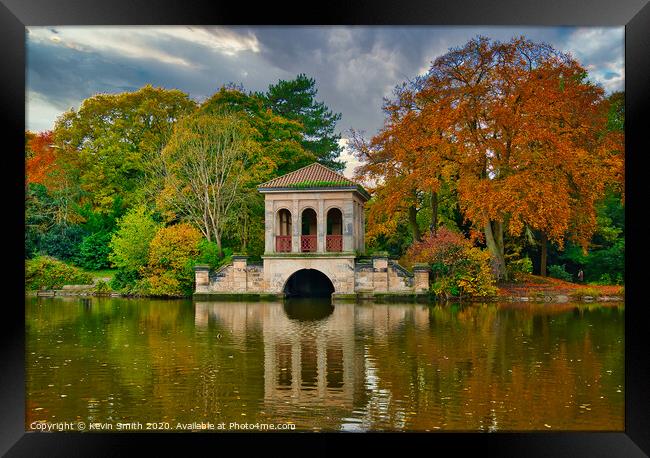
(245, 230)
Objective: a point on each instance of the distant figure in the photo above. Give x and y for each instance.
(581, 275)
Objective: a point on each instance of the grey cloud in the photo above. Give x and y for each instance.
(354, 67)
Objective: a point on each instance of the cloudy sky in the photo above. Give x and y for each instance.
(354, 67)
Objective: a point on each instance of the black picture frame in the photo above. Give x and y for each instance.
(15, 15)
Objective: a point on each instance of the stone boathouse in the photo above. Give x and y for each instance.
(314, 246)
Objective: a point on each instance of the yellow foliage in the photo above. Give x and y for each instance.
(169, 270)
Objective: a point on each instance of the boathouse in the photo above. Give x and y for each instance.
(314, 227)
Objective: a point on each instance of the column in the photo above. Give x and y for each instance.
(380, 272)
(363, 229)
(421, 278)
(357, 225)
(239, 264)
(295, 228)
(269, 227)
(201, 277)
(348, 226)
(321, 226)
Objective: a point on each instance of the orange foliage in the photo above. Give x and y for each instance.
(528, 131)
(41, 158)
(516, 127)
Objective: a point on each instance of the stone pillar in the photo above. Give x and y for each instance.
(363, 229)
(321, 227)
(421, 278)
(380, 272)
(295, 228)
(348, 226)
(201, 277)
(239, 264)
(269, 227)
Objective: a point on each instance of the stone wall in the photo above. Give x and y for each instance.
(380, 275)
(339, 269)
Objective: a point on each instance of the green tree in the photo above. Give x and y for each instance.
(107, 143)
(296, 100)
(204, 168)
(94, 251)
(130, 243)
(280, 138)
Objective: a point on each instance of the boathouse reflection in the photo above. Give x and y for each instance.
(309, 358)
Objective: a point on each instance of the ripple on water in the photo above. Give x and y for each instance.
(357, 368)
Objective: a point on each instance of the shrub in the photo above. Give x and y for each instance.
(101, 287)
(94, 251)
(62, 241)
(560, 273)
(44, 272)
(123, 279)
(520, 268)
(457, 267)
(605, 279)
(209, 254)
(171, 260)
(476, 278)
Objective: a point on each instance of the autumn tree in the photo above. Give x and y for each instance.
(296, 100)
(203, 169)
(522, 128)
(169, 271)
(402, 165)
(40, 157)
(49, 200)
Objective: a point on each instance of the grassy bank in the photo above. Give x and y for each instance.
(536, 286)
(106, 275)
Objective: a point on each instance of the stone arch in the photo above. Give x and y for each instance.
(308, 282)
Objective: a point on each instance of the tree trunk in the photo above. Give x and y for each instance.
(494, 240)
(542, 262)
(415, 230)
(434, 212)
(217, 239)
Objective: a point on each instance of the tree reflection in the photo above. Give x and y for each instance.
(365, 366)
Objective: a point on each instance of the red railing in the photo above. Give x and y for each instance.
(334, 243)
(308, 243)
(283, 243)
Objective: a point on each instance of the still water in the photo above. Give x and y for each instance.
(351, 367)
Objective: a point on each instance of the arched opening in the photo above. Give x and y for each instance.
(334, 238)
(308, 283)
(283, 231)
(308, 241)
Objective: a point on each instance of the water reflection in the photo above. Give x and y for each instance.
(308, 346)
(485, 367)
(308, 309)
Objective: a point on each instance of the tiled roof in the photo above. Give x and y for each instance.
(316, 173)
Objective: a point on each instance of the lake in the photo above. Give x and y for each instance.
(324, 367)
